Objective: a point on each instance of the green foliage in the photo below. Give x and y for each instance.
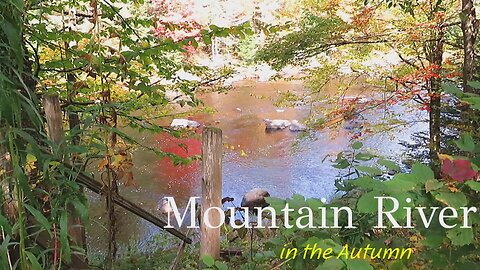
(315, 35)
(105, 68)
(212, 264)
(407, 6)
(247, 49)
(420, 186)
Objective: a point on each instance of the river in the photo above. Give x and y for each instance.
(282, 162)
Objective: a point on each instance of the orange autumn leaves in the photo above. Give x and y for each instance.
(121, 164)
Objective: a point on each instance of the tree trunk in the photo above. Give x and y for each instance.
(435, 132)
(435, 58)
(470, 30)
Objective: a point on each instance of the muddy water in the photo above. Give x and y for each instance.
(283, 162)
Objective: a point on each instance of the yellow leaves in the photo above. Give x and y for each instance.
(113, 162)
(48, 55)
(229, 146)
(144, 44)
(30, 164)
(452, 187)
(121, 165)
(414, 239)
(82, 43)
(103, 164)
(117, 160)
(445, 156)
(242, 152)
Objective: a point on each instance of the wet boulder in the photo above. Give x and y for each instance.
(164, 207)
(184, 123)
(297, 126)
(276, 124)
(255, 198)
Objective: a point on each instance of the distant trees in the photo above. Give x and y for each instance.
(176, 19)
(419, 39)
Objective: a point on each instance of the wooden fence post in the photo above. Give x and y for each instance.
(53, 114)
(212, 151)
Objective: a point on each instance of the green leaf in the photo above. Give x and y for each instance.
(208, 260)
(19, 4)
(342, 164)
(329, 243)
(399, 184)
(455, 200)
(311, 241)
(5, 225)
(422, 172)
(221, 265)
(34, 261)
(466, 143)
(432, 185)
(364, 156)
(314, 203)
(358, 265)
(389, 164)
(298, 197)
(4, 249)
(207, 40)
(331, 264)
(366, 182)
(433, 241)
(296, 202)
(367, 202)
(474, 84)
(64, 237)
(369, 170)
(357, 145)
(275, 203)
(80, 208)
(397, 265)
(473, 185)
(460, 236)
(40, 218)
(451, 89)
(474, 102)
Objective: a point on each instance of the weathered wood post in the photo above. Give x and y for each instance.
(53, 115)
(212, 151)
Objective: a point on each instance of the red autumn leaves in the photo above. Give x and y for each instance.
(459, 170)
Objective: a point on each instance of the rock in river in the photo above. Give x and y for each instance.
(276, 124)
(255, 198)
(164, 206)
(184, 123)
(297, 126)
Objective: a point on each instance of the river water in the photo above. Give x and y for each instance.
(282, 162)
